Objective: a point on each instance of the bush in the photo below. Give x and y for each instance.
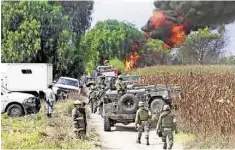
(117, 64)
(38, 132)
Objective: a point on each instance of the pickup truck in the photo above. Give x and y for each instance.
(17, 104)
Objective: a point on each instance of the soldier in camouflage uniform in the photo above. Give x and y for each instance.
(93, 96)
(101, 91)
(120, 85)
(79, 119)
(143, 118)
(166, 125)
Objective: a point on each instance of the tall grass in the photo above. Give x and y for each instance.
(38, 132)
(206, 101)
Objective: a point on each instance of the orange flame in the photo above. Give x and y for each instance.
(131, 61)
(177, 32)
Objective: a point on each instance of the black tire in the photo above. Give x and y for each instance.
(128, 103)
(15, 110)
(157, 105)
(107, 124)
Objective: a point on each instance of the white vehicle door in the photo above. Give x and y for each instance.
(4, 98)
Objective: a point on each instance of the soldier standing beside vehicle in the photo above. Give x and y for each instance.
(143, 118)
(120, 85)
(50, 100)
(165, 126)
(101, 90)
(79, 119)
(93, 96)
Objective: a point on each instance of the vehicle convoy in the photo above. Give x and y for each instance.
(123, 109)
(32, 78)
(17, 104)
(64, 85)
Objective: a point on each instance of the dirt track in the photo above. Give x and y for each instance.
(124, 137)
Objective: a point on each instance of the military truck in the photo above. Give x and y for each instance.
(123, 109)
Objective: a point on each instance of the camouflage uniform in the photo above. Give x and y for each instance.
(101, 91)
(166, 125)
(93, 96)
(121, 86)
(142, 119)
(79, 119)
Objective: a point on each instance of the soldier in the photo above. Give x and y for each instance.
(120, 85)
(50, 100)
(143, 117)
(79, 118)
(166, 125)
(93, 96)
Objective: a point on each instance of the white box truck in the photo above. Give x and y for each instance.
(32, 78)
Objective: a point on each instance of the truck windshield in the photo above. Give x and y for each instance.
(68, 82)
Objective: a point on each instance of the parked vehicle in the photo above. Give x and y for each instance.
(106, 71)
(17, 104)
(64, 86)
(32, 78)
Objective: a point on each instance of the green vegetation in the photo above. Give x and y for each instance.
(117, 64)
(37, 132)
(45, 32)
(108, 40)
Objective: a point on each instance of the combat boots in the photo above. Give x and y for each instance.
(164, 146)
(147, 143)
(138, 141)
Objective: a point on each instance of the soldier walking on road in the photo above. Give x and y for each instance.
(165, 126)
(79, 119)
(93, 96)
(143, 118)
(50, 100)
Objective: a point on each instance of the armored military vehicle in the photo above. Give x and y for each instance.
(123, 109)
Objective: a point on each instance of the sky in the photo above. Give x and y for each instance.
(138, 12)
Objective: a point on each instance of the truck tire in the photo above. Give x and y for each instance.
(15, 110)
(156, 105)
(128, 103)
(107, 124)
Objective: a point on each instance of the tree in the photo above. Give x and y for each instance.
(40, 32)
(154, 52)
(203, 46)
(110, 39)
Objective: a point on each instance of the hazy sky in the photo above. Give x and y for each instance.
(138, 12)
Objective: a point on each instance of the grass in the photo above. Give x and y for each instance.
(205, 102)
(38, 132)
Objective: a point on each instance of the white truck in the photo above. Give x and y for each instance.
(107, 71)
(32, 78)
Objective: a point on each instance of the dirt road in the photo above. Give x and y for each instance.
(124, 137)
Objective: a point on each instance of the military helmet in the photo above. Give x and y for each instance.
(141, 104)
(77, 102)
(166, 107)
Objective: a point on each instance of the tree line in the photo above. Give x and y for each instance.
(57, 32)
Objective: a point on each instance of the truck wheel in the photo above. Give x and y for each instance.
(15, 110)
(156, 105)
(107, 124)
(128, 103)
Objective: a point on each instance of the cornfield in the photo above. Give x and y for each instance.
(206, 102)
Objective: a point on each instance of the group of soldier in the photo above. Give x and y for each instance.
(166, 124)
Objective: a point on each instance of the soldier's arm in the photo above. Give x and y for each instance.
(73, 113)
(137, 118)
(159, 122)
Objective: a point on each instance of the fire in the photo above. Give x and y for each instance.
(131, 61)
(172, 31)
